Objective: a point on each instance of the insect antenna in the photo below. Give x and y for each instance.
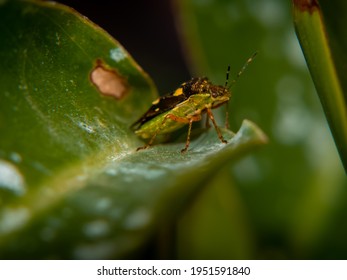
(227, 103)
(227, 77)
(249, 60)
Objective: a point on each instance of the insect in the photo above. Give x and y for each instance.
(184, 106)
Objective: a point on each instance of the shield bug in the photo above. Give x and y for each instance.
(184, 106)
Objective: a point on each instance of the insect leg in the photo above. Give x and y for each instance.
(189, 120)
(210, 115)
(148, 144)
(188, 137)
(173, 117)
(207, 123)
(154, 135)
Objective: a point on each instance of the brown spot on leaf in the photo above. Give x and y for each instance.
(307, 5)
(108, 81)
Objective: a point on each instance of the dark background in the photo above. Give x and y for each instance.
(146, 29)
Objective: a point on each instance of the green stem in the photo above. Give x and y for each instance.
(314, 42)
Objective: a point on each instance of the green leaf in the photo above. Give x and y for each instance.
(71, 183)
(323, 49)
(51, 113)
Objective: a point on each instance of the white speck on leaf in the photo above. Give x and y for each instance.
(117, 54)
(57, 39)
(16, 157)
(97, 228)
(99, 250)
(11, 178)
(103, 203)
(138, 219)
(12, 219)
(86, 127)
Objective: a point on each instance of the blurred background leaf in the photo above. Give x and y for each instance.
(291, 195)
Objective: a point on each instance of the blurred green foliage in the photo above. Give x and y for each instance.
(289, 200)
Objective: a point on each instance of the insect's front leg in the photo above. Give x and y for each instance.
(175, 118)
(150, 142)
(189, 120)
(210, 115)
(207, 122)
(192, 119)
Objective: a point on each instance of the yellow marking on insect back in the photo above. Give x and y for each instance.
(155, 102)
(178, 92)
(156, 110)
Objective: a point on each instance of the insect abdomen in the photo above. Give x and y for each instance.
(163, 125)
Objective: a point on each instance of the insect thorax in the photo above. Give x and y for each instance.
(203, 85)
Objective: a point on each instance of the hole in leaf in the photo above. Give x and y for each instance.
(108, 81)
